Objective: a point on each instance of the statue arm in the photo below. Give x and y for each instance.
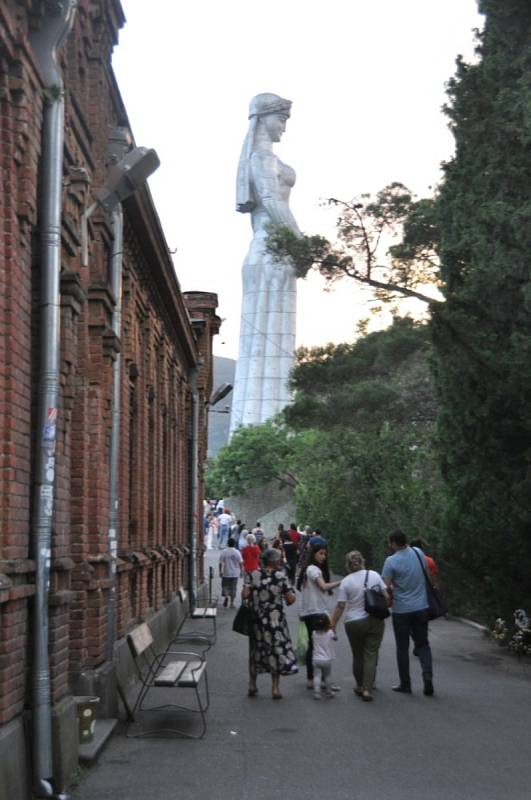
(267, 190)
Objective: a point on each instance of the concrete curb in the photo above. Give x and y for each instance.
(469, 622)
(89, 752)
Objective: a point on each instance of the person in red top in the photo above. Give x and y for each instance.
(251, 554)
(432, 566)
(294, 534)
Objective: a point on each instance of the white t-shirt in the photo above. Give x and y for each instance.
(230, 560)
(324, 648)
(351, 592)
(225, 519)
(313, 600)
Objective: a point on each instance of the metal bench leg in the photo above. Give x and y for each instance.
(202, 708)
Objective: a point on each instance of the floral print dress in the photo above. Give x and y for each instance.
(270, 647)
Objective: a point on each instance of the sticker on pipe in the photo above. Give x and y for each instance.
(50, 427)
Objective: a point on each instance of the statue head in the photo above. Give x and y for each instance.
(271, 111)
(268, 103)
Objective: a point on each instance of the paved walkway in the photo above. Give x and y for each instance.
(469, 742)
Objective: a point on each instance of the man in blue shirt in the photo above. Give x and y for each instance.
(403, 574)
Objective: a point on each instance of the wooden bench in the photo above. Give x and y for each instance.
(207, 613)
(173, 669)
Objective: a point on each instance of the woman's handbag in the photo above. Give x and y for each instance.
(375, 600)
(243, 621)
(301, 643)
(437, 606)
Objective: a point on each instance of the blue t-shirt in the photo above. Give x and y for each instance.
(409, 583)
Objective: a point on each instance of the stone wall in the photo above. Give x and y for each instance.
(269, 505)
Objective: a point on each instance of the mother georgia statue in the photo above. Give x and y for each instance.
(267, 324)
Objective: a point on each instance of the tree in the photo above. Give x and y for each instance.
(365, 461)
(484, 212)
(473, 239)
(356, 443)
(381, 378)
(385, 241)
(254, 457)
(358, 485)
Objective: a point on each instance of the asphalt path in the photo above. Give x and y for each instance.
(471, 741)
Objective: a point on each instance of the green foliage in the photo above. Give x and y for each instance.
(357, 485)
(385, 241)
(357, 445)
(414, 258)
(254, 456)
(364, 456)
(380, 378)
(305, 252)
(482, 333)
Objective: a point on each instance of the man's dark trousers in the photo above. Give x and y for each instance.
(415, 625)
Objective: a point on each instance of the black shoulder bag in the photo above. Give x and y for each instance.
(243, 620)
(375, 600)
(437, 606)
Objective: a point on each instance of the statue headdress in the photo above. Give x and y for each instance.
(260, 105)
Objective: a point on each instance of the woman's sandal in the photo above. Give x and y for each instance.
(366, 695)
(276, 696)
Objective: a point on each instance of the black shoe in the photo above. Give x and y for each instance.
(402, 689)
(225, 602)
(428, 687)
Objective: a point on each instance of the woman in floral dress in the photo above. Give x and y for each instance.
(270, 648)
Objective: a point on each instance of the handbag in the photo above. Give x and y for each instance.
(243, 621)
(375, 600)
(437, 606)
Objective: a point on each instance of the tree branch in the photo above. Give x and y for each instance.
(288, 478)
(392, 287)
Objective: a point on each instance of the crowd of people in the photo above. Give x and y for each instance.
(275, 568)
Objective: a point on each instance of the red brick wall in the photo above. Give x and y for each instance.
(202, 308)
(158, 348)
(20, 115)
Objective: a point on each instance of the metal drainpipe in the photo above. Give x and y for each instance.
(192, 571)
(116, 286)
(45, 42)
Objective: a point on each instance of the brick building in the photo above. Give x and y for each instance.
(108, 567)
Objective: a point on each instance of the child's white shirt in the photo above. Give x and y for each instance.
(324, 648)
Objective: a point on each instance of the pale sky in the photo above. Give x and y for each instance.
(366, 78)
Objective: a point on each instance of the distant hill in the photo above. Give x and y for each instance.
(219, 423)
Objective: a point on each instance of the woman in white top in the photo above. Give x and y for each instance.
(364, 632)
(314, 598)
(242, 537)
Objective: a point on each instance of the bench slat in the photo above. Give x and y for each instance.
(191, 676)
(140, 639)
(206, 613)
(170, 674)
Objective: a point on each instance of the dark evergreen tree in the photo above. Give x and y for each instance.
(482, 333)
(364, 415)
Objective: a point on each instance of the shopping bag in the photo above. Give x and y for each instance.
(301, 642)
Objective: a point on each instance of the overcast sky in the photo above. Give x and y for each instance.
(366, 78)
